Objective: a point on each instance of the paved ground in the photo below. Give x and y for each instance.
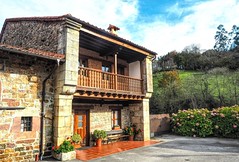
(179, 149)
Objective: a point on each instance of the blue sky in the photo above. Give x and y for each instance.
(159, 25)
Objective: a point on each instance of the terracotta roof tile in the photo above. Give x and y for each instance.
(32, 52)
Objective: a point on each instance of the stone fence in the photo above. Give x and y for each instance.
(159, 124)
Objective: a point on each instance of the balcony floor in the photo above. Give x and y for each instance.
(112, 148)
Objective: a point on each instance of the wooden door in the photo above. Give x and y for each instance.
(80, 126)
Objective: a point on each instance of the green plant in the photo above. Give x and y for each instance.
(65, 147)
(76, 138)
(226, 121)
(131, 130)
(195, 122)
(128, 130)
(99, 134)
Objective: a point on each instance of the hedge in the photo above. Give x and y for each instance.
(221, 122)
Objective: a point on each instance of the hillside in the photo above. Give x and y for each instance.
(193, 89)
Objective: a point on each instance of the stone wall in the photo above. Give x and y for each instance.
(66, 81)
(100, 117)
(32, 34)
(21, 86)
(159, 124)
(136, 117)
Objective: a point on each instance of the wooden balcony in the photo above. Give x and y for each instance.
(95, 83)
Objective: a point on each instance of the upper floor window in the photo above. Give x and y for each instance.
(106, 68)
(26, 124)
(120, 70)
(83, 62)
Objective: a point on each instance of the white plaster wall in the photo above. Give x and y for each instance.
(134, 70)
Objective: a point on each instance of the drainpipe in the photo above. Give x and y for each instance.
(43, 108)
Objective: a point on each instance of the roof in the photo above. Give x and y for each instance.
(32, 52)
(84, 25)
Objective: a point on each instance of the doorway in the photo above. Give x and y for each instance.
(81, 125)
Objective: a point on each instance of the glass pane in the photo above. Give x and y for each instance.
(80, 124)
(80, 117)
(116, 114)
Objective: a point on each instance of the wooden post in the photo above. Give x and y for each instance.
(115, 71)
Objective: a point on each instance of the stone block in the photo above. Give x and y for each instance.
(2, 146)
(1, 151)
(58, 140)
(10, 145)
(63, 132)
(9, 150)
(19, 158)
(29, 147)
(136, 120)
(33, 79)
(19, 149)
(4, 156)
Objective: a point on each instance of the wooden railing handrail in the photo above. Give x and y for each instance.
(95, 78)
(109, 73)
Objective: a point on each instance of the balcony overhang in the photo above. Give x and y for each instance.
(109, 46)
(91, 93)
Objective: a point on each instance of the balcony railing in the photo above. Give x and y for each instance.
(93, 78)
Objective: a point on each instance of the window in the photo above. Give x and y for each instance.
(26, 124)
(120, 70)
(106, 68)
(116, 117)
(83, 62)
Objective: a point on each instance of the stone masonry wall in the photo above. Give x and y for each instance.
(21, 86)
(136, 117)
(32, 34)
(100, 117)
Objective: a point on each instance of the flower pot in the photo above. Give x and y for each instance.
(64, 156)
(76, 145)
(116, 128)
(131, 137)
(98, 142)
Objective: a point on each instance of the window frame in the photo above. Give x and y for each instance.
(26, 123)
(106, 68)
(118, 119)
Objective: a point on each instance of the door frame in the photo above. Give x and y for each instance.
(87, 112)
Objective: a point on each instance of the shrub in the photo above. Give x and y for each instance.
(221, 122)
(65, 147)
(76, 138)
(99, 134)
(226, 121)
(192, 123)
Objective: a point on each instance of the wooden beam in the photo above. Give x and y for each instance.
(115, 41)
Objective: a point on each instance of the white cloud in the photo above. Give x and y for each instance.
(100, 13)
(198, 27)
(161, 35)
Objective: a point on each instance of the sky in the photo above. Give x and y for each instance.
(159, 25)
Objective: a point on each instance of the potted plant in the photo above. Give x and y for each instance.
(98, 135)
(64, 152)
(129, 130)
(116, 127)
(132, 131)
(76, 139)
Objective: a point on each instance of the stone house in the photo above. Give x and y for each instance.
(61, 75)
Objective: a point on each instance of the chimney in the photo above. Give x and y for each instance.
(113, 29)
